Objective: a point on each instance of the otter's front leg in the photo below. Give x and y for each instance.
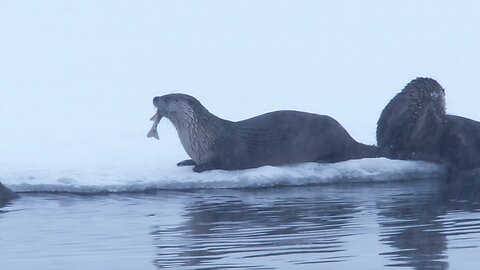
(204, 167)
(187, 162)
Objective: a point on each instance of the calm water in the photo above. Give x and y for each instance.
(406, 225)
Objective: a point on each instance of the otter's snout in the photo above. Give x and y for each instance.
(156, 100)
(159, 102)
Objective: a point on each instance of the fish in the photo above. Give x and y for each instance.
(153, 131)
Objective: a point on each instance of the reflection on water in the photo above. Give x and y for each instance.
(246, 228)
(414, 224)
(419, 224)
(410, 224)
(427, 224)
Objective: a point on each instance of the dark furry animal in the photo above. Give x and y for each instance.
(411, 125)
(461, 143)
(275, 138)
(6, 195)
(414, 125)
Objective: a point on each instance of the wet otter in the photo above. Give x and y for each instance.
(414, 125)
(275, 138)
(411, 125)
(461, 143)
(6, 195)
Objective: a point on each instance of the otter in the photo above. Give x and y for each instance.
(6, 195)
(275, 138)
(461, 143)
(411, 125)
(415, 125)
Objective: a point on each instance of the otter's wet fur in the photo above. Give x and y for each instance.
(415, 125)
(411, 125)
(275, 138)
(461, 142)
(6, 195)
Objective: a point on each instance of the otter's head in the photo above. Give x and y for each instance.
(193, 122)
(413, 120)
(178, 108)
(427, 93)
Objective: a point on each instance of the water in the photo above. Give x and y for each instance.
(417, 224)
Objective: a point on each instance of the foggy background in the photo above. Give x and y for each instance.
(77, 77)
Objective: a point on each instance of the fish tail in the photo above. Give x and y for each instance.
(153, 133)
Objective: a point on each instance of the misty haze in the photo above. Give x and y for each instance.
(76, 89)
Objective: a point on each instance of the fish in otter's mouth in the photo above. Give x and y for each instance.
(153, 131)
(174, 107)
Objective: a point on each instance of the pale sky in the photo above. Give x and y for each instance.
(88, 69)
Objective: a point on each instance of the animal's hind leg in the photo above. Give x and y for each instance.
(187, 162)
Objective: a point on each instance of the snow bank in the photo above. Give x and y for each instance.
(142, 179)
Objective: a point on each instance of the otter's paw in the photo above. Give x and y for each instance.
(203, 167)
(187, 162)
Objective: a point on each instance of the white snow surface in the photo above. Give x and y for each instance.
(133, 179)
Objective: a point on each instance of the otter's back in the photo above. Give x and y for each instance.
(461, 145)
(284, 137)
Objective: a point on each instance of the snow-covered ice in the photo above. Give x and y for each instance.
(129, 179)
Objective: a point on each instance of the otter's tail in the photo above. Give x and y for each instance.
(365, 151)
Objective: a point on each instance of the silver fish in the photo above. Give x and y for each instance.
(153, 131)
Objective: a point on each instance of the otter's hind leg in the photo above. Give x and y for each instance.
(187, 162)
